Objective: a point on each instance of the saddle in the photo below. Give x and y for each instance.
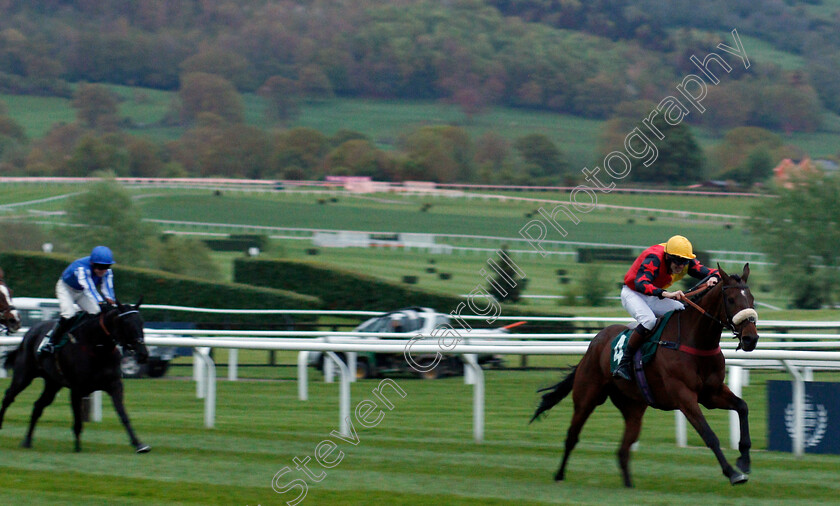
(80, 318)
(646, 351)
(643, 355)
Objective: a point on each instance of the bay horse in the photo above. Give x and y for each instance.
(681, 378)
(89, 361)
(9, 317)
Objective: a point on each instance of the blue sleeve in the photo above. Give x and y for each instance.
(85, 279)
(108, 285)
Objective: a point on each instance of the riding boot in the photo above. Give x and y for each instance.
(53, 337)
(625, 365)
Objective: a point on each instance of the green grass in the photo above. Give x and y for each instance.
(760, 51)
(476, 217)
(38, 114)
(421, 453)
(491, 217)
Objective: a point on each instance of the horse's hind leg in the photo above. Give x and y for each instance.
(116, 393)
(590, 397)
(632, 412)
(19, 383)
(47, 396)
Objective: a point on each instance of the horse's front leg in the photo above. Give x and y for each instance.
(116, 393)
(46, 398)
(76, 404)
(725, 399)
(691, 410)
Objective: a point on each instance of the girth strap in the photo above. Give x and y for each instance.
(641, 380)
(689, 349)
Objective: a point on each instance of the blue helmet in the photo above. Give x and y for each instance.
(101, 255)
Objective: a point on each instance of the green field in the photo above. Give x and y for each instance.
(498, 220)
(422, 452)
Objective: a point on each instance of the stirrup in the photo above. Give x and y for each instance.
(45, 347)
(623, 370)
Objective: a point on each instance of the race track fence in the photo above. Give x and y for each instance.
(800, 363)
(794, 360)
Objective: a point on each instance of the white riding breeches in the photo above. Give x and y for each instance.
(645, 308)
(68, 298)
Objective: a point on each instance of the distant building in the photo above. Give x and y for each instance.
(789, 169)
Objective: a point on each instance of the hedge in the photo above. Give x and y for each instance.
(237, 242)
(338, 289)
(35, 274)
(341, 289)
(588, 255)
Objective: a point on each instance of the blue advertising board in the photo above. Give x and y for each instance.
(821, 418)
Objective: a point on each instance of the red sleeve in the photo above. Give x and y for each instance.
(646, 274)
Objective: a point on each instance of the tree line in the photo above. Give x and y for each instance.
(218, 143)
(583, 58)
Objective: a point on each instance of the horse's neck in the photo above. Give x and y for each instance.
(92, 331)
(699, 330)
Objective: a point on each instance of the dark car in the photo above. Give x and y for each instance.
(410, 321)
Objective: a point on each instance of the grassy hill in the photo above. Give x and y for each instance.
(381, 120)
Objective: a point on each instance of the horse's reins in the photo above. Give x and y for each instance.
(686, 299)
(102, 320)
(730, 324)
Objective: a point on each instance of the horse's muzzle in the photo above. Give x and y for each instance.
(13, 325)
(749, 342)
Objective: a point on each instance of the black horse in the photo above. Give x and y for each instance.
(89, 361)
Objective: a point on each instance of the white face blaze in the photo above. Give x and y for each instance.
(5, 291)
(745, 314)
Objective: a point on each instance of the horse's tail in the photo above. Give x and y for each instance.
(556, 394)
(9, 358)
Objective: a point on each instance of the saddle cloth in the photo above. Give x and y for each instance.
(648, 349)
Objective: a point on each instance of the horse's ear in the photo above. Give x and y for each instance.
(723, 275)
(746, 273)
(139, 301)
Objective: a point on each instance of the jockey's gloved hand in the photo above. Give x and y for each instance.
(104, 306)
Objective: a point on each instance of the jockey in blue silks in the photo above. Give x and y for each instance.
(87, 282)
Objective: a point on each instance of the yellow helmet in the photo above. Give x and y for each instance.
(679, 246)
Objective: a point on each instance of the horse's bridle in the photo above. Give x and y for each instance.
(105, 328)
(748, 315)
(6, 315)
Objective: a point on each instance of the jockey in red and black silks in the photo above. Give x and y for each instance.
(645, 295)
(650, 273)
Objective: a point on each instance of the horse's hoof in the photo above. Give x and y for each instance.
(743, 466)
(26, 444)
(144, 449)
(738, 478)
(558, 477)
